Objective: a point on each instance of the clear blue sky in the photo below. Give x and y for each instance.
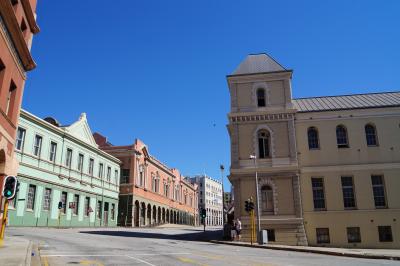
(155, 70)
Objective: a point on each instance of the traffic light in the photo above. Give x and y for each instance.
(247, 206)
(251, 205)
(203, 213)
(9, 187)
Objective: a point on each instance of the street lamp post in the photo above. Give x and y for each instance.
(254, 157)
(221, 167)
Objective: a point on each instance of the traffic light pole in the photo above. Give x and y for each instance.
(3, 225)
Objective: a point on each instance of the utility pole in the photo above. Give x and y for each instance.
(221, 167)
(254, 157)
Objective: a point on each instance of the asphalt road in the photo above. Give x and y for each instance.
(162, 246)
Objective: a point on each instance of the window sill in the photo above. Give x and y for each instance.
(343, 147)
(319, 210)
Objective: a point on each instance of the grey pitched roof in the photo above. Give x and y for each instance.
(347, 102)
(258, 63)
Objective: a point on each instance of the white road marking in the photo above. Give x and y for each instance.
(142, 261)
(111, 255)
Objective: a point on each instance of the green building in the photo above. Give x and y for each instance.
(65, 179)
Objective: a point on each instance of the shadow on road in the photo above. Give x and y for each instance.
(194, 236)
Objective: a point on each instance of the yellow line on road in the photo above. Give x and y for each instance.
(91, 262)
(45, 262)
(187, 260)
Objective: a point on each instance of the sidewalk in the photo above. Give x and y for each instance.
(387, 254)
(15, 251)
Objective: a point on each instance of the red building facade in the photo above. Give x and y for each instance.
(17, 27)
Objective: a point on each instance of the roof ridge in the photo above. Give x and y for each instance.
(356, 94)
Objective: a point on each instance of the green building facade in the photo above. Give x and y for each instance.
(65, 179)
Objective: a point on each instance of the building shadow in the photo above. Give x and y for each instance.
(192, 236)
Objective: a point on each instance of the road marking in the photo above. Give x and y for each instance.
(45, 262)
(91, 262)
(82, 255)
(112, 255)
(187, 260)
(142, 261)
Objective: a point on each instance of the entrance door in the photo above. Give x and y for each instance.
(105, 214)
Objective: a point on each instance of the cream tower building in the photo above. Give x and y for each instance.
(328, 167)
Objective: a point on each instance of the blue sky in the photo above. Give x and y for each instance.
(156, 70)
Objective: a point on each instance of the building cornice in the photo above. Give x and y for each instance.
(26, 115)
(287, 71)
(18, 40)
(30, 16)
(254, 117)
(350, 167)
(337, 115)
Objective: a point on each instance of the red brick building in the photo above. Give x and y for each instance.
(150, 192)
(17, 27)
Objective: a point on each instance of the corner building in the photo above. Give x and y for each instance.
(17, 27)
(150, 192)
(62, 165)
(328, 167)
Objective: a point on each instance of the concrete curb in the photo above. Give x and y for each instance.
(317, 251)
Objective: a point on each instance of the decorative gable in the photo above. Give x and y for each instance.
(81, 130)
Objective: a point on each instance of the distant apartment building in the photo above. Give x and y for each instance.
(151, 193)
(17, 27)
(210, 198)
(65, 179)
(328, 167)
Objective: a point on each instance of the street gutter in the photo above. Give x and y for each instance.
(311, 250)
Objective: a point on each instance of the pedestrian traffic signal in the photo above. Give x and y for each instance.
(60, 205)
(203, 213)
(9, 187)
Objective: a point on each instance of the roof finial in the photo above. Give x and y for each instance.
(83, 116)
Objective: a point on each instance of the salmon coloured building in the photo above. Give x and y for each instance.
(151, 193)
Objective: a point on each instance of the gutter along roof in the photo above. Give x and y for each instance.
(348, 102)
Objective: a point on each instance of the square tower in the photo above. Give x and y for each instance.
(261, 123)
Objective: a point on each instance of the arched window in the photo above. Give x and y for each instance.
(263, 144)
(261, 98)
(370, 134)
(341, 137)
(313, 141)
(267, 199)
